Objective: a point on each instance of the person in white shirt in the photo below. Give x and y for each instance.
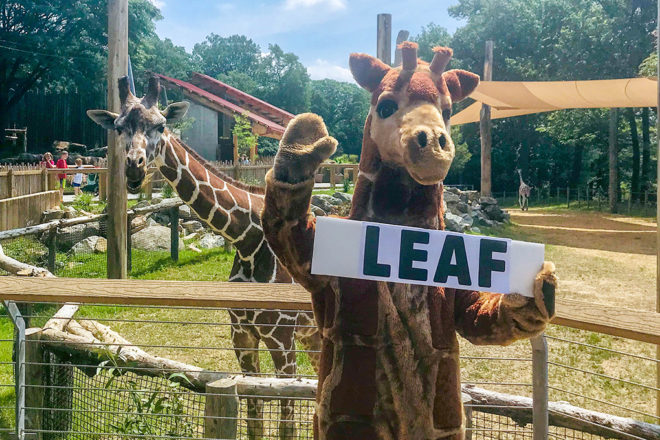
(78, 177)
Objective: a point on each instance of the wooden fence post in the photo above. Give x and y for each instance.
(332, 177)
(221, 411)
(129, 244)
(485, 127)
(174, 233)
(44, 180)
(568, 196)
(34, 383)
(11, 183)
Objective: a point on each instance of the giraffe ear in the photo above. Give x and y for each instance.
(104, 118)
(460, 83)
(367, 70)
(175, 111)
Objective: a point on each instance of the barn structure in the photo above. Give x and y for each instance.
(213, 105)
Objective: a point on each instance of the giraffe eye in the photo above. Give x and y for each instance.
(386, 108)
(119, 130)
(446, 114)
(160, 128)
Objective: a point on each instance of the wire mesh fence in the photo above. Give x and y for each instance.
(86, 382)
(634, 203)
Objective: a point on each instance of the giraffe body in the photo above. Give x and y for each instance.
(231, 209)
(524, 192)
(389, 361)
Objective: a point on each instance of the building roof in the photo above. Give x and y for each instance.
(267, 120)
(515, 98)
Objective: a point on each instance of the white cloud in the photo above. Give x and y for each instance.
(160, 4)
(322, 69)
(332, 5)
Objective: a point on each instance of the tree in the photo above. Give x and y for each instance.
(343, 107)
(221, 55)
(431, 36)
(283, 80)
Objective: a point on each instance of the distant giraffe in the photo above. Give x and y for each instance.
(231, 209)
(524, 191)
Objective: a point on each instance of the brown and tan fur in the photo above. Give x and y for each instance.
(389, 360)
(231, 209)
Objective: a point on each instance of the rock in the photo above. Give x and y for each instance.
(142, 204)
(344, 197)
(70, 212)
(138, 223)
(450, 197)
(156, 200)
(493, 212)
(454, 222)
(151, 222)
(463, 207)
(487, 201)
(452, 190)
(185, 213)
(192, 236)
(476, 230)
(69, 236)
(467, 220)
(90, 245)
(325, 202)
(154, 238)
(51, 214)
(317, 211)
(160, 217)
(191, 226)
(210, 241)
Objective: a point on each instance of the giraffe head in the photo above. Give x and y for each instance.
(140, 127)
(408, 123)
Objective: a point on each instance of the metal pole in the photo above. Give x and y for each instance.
(485, 127)
(540, 387)
(174, 233)
(19, 369)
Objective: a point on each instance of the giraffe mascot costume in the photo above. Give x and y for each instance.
(389, 359)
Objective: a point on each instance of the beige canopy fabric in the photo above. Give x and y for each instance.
(515, 98)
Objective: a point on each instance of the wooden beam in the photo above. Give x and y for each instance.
(657, 279)
(384, 38)
(613, 161)
(485, 126)
(117, 199)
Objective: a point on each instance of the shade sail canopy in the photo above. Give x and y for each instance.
(515, 98)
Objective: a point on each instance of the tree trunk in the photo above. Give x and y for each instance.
(646, 150)
(634, 183)
(577, 165)
(613, 192)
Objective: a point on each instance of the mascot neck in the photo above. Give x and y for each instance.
(386, 193)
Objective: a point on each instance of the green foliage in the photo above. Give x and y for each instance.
(346, 158)
(245, 138)
(83, 202)
(167, 190)
(649, 66)
(221, 55)
(431, 36)
(268, 146)
(346, 183)
(283, 80)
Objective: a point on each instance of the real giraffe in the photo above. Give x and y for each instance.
(230, 208)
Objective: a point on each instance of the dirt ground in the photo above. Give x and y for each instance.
(610, 259)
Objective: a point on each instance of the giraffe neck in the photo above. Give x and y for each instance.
(225, 205)
(386, 193)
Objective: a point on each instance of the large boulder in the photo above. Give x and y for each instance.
(454, 222)
(51, 214)
(90, 245)
(344, 197)
(69, 236)
(450, 197)
(210, 241)
(191, 226)
(154, 238)
(317, 211)
(325, 202)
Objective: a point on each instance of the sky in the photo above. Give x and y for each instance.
(321, 32)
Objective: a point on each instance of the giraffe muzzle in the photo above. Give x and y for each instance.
(135, 173)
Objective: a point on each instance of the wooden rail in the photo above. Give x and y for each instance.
(637, 325)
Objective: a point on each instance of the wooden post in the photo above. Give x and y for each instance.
(117, 68)
(613, 189)
(400, 38)
(332, 177)
(44, 180)
(34, 383)
(103, 186)
(11, 183)
(174, 233)
(149, 188)
(221, 410)
(485, 127)
(235, 142)
(129, 244)
(657, 205)
(52, 249)
(253, 152)
(568, 196)
(384, 38)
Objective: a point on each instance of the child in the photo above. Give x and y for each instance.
(48, 161)
(78, 177)
(61, 163)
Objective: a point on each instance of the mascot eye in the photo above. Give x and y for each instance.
(446, 114)
(386, 108)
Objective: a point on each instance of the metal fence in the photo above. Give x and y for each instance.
(126, 371)
(636, 203)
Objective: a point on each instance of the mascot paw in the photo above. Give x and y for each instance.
(304, 146)
(545, 286)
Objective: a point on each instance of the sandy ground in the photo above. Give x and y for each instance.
(600, 257)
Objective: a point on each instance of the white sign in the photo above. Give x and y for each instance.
(376, 251)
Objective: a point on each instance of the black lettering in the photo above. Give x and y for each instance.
(454, 246)
(408, 254)
(487, 265)
(371, 265)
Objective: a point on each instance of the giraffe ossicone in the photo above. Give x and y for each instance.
(232, 209)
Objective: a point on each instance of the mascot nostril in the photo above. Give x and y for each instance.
(443, 141)
(421, 139)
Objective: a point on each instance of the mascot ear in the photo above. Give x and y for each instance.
(367, 70)
(460, 83)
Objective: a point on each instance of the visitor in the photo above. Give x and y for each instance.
(48, 161)
(78, 177)
(61, 163)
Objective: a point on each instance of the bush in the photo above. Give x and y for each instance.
(167, 191)
(83, 202)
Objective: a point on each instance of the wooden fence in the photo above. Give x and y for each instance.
(18, 212)
(23, 180)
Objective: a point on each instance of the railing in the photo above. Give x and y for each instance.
(168, 318)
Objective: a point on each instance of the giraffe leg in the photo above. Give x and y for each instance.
(246, 343)
(310, 339)
(283, 346)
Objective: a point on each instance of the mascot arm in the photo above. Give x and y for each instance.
(494, 318)
(286, 218)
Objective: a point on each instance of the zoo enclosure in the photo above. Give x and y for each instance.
(210, 400)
